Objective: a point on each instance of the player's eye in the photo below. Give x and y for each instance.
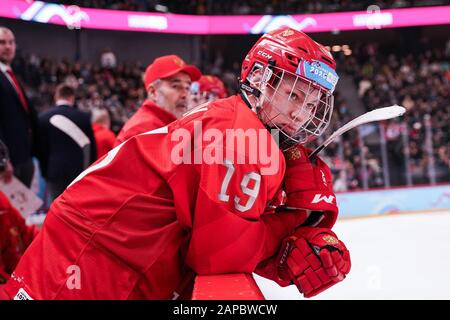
(294, 97)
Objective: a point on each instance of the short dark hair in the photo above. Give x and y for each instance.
(64, 91)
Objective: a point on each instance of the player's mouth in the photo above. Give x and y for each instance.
(289, 128)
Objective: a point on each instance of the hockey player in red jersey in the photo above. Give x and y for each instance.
(207, 89)
(167, 82)
(15, 236)
(203, 195)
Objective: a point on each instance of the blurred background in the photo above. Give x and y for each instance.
(388, 52)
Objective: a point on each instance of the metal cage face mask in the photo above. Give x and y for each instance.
(297, 105)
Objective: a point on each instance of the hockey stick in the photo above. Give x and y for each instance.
(371, 116)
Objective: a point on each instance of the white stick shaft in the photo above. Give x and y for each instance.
(371, 116)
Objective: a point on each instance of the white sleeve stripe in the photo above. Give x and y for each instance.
(112, 154)
(71, 129)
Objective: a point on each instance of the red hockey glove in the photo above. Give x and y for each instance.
(309, 186)
(314, 259)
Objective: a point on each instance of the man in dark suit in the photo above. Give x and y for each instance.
(18, 119)
(67, 144)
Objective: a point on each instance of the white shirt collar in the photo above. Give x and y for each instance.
(63, 102)
(4, 67)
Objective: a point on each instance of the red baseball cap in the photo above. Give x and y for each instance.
(167, 66)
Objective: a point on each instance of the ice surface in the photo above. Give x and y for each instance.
(405, 256)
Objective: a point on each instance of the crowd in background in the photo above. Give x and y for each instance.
(420, 81)
(119, 88)
(81, 100)
(243, 7)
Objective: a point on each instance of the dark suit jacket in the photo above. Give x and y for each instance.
(61, 158)
(17, 126)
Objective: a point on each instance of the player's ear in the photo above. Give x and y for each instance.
(255, 76)
(152, 90)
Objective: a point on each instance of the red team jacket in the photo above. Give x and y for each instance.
(149, 115)
(15, 236)
(133, 224)
(104, 139)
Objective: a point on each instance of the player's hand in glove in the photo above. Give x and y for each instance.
(313, 259)
(309, 186)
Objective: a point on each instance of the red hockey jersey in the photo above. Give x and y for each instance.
(158, 205)
(104, 139)
(148, 117)
(15, 237)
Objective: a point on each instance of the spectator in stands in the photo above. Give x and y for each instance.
(108, 59)
(167, 81)
(18, 118)
(418, 82)
(68, 144)
(104, 137)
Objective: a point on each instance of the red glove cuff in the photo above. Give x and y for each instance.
(309, 186)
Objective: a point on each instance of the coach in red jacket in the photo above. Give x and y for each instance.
(168, 82)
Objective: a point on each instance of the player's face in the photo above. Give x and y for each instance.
(291, 104)
(207, 97)
(197, 97)
(172, 93)
(7, 46)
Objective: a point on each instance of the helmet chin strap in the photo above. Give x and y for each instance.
(284, 141)
(245, 86)
(245, 89)
(245, 97)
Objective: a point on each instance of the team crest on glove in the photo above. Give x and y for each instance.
(293, 154)
(330, 239)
